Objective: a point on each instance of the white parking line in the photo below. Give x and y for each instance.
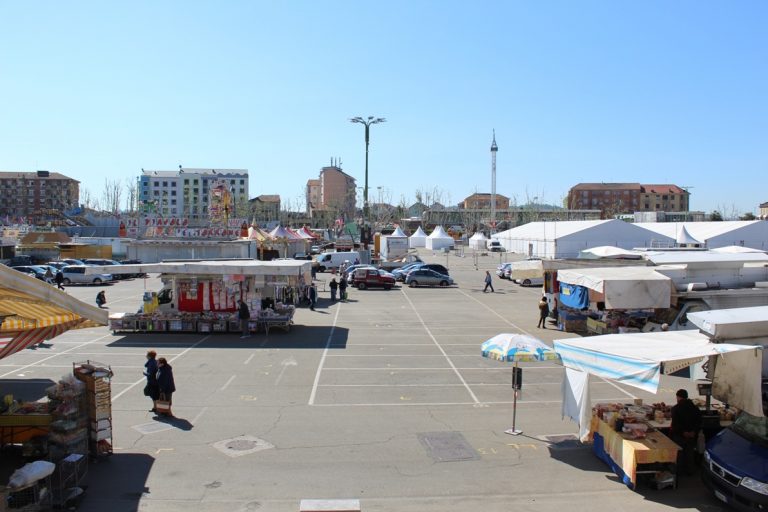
(228, 383)
(322, 358)
(250, 357)
(456, 371)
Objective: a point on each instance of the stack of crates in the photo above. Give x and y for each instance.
(98, 392)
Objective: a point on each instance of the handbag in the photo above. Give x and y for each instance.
(147, 390)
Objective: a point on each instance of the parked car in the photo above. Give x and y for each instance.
(315, 249)
(58, 265)
(427, 277)
(75, 274)
(349, 272)
(401, 272)
(32, 270)
(134, 262)
(17, 261)
(530, 281)
(72, 261)
(301, 256)
(436, 267)
(504, 270)
(100, 262)
(372, 278)
(494, 245)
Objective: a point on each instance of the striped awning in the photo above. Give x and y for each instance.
(33, 311)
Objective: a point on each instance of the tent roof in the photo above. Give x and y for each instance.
(735, 249)
(701, 231)
(628, 357)
(255, 233)
(708, 257)
(624, 287)
(439, 232)
(731, 324)
(609, 251)
(684, 237)
(478, 236)
(282, 232)
(213, 267)
(398, 232)
(419, 233)
(36, 311)
(551, 229)
(526, 269)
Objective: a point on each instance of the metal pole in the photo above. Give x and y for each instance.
(365, 190)
(513, 431)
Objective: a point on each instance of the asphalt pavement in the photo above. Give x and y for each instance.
(383, 399)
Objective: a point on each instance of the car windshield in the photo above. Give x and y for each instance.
(752, 427)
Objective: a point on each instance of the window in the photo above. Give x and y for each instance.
(173, 192)
(157, 192)
(194, 182)
(242, 191)
(165, 183)
(242, 182)
(173, 183)
(173, 201)
(186, 182)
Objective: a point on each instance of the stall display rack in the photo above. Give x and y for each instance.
(33, 497)
(97, 378)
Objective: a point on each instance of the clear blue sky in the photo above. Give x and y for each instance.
(650, 92)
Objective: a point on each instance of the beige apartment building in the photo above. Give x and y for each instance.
(334, 191)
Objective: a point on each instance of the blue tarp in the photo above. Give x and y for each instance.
(574, 296)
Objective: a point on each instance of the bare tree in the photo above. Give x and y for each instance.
(86, 198)
(111, 196)
(132, 195)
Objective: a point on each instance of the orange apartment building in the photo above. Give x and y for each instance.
(624, 198)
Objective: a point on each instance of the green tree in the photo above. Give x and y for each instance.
(748, 216)
(716, 216)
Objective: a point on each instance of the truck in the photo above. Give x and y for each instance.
(735, 466)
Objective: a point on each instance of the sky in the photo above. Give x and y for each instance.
(587, 91)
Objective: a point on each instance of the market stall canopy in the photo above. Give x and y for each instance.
(418, 239)
(306, 231)
(439, 239)
(735, 249)
(478, 240)
(34, 311)
(609, 252)
(256, 233)
(282, 232)
(685, 238)
(213, 267)
(639, 360)
(526, 269)
(623, 287)
(733, 324)
(398, 232)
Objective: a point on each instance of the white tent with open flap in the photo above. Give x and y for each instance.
(439, 239)
(417, 239)
(640, 359)
(478, 241)
(620, 287)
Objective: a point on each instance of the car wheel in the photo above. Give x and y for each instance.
(414, 284)
(361, 286)
(526, 282)
(321, 269)
(66, 281)
(97, 281)
(388, 287)
(443, 283)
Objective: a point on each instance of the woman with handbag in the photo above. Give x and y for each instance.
(166, 387)
(151, 390)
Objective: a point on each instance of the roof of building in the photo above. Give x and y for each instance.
(606, 186)
(764, 205)
(203, 172)
(313, 182)
(34, 176)
(336, 169)
(702, 231)
(45, 237)
(485, 194)
(663, 189)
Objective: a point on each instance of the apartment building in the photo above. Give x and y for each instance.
(333, 192)
(482, 201)
(624, 198)
(35, 195)
(188, 192)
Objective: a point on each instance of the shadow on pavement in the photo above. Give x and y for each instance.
(108, 491)
(25, 390)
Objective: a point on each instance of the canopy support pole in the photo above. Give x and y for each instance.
(515, 385)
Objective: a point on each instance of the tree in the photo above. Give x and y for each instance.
(748, 216)
(716, 216)
(111, 196)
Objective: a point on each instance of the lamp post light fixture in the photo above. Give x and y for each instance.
(367, 122)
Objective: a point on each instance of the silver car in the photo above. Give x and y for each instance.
(427, 277)
(75, 274)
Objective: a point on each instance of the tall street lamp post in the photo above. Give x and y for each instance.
(367, 122)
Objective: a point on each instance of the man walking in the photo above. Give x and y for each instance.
(312, 296)
(543, 312)
(59, 279)
(244, 314)
(488, 282)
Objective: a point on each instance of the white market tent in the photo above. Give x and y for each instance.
(526, 269)
(566, 239)
(684, 239)
(735, 249)
(743, 233)
(623, 287)
(439, 239)
(418, 239)
(398, 232)
(640, 359)
(609, 252)
(478, 241)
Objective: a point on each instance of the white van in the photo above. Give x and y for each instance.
(332, 260)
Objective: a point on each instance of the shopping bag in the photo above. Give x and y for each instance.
(163, 406)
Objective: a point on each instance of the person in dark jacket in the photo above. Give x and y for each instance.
(488, 282)
(312, 296)
(165, 384)
(151, 389)
(101, 299)
(543, 312)
(334, 286)
(244, 314)
(343, 288)
(59, 279)
(686, 423)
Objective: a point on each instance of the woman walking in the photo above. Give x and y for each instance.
(166, 386)
(150, 372)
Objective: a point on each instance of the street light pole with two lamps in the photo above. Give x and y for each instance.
(367, 123)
